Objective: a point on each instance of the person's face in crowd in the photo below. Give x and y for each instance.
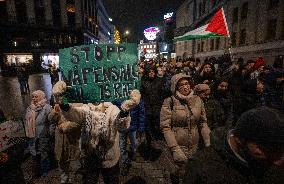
(249, 66)
(259, 87)
(223, 86)
(205, 94)
(151, 74)
(258, 152)
(260, 69)
(160, 71)
(266, 70)
(35, 98)
(184, 87)
(142, 64)
(191, 64)
(263, 155)
(141, 71)
(207, 69)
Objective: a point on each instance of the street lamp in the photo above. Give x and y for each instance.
(126, 34)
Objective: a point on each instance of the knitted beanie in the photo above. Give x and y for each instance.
(262, 125)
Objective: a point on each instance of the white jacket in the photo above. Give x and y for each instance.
(99, 130)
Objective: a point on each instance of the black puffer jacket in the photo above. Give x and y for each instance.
(152, 91)
(226, 101)
(218, 165)
(249, 99)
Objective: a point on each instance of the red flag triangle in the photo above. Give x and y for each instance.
(218, 24)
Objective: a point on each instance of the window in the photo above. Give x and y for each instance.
(204, 7)
(234, 39)
(244, 12)
(200, 9)
(56, 13)
(198, 47)
(272, 4)
(3, 12)
(71, 13)
(271, 29)
(243, 37)
(202, 46)
(282, 34)
(217, 45)
(212, 44)
(185, 45)
(40, 3)
(235, 15)
(20, 6)
(39, 12)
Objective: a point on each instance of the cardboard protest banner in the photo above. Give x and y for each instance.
(11, 133)
(99, 73)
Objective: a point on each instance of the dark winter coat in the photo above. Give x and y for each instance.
(214, 113)
(137, 118)
(218, 165)
(273, 90)
(248, 99)
(137, 115)
(152, 91)
(167, 85)
(2, 116)
(226, 102)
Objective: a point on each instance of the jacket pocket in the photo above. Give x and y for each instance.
(183, 136)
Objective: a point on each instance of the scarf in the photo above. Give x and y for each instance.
(30, 126)
(183, 97)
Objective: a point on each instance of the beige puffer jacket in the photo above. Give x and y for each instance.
(182, 119)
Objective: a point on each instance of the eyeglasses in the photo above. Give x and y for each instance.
(180, 85)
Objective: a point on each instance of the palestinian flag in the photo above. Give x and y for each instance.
(217, 27)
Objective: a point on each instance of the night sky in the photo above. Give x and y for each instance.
(136, 15)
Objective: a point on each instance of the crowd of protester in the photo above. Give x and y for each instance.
(191, 101)
(219, 116)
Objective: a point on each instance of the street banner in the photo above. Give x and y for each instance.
(11, 133)
(99, 73)
(217, 27)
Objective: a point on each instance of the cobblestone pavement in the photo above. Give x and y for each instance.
(12, 102)
(143, 171)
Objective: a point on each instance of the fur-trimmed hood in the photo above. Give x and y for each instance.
(175, 80)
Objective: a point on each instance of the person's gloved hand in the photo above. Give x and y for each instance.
(123, 114)
(59, 92)
(207, 143)
(134, 100)
(64, 104)
(178, 154)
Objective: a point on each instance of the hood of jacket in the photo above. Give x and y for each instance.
(175, 80)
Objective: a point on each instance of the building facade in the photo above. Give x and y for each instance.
(256, 29)
(106, 29)
(33, 31)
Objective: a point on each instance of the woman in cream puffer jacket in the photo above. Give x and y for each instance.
(182, 118)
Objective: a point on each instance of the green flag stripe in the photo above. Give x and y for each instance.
(191, 37)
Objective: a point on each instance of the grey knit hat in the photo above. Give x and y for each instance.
(263, 125)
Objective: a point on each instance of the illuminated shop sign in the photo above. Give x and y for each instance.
(49, 59)
(168, 17)
(18, 59)
(148, 50)
(151, 33)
